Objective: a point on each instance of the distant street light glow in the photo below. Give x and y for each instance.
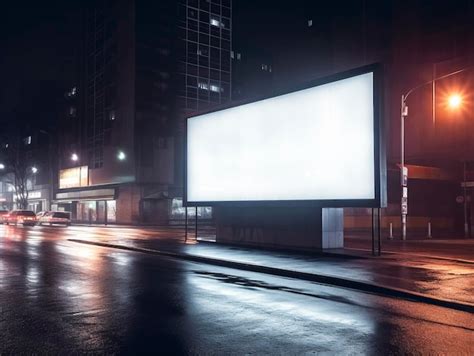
(454, 101)
(121, 156)
(34, 170)
(2, 166)
(74, 157)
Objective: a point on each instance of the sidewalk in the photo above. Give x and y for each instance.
(417, 277)
(452, 248)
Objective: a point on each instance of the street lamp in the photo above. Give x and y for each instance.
(34, 170)
(2, 166)
(74, 157)
(454, 102)
(121, 156)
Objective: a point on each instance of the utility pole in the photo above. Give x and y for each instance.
(403, 170)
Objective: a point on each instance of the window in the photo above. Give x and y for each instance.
(72, 111)
(215, 88)
(310, 23)
(71, 93)
(232, 54)
(239, 56)
(111, 210)
(27, 140)
(192, 13)
(203, 86)
(203, 51)
(267, 68)
(216, 22)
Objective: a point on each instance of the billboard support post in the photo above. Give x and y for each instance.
(379, 233)
(185, 224)
(196, 232)
(373, 232)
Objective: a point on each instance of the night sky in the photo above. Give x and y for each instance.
(36, 58)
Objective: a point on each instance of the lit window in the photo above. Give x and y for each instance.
(71, 93)
(27, 140)
(232, 54)
(239, 56)
(202, 52)
(217, 23)
(203, 86)
(72, 111)
(310, 23)
(264, 67)
(216, 88)
(112, 115)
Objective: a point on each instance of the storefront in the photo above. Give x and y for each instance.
(95, 206)
(6, 201)
(38, 200)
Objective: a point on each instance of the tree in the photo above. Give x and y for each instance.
(17, 168)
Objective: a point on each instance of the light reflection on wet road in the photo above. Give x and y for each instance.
(58, 296)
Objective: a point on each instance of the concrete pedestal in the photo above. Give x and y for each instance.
(282, 227)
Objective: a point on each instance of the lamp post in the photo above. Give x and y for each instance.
(50, 164)
(454, 102)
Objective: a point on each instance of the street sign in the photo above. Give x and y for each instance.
(404, 176)
(404, 206)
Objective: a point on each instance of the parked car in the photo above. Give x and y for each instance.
(40, 214)
(3, 213)
(55, 218)
(24, 217)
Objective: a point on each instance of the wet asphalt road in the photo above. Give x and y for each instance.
(58, 296)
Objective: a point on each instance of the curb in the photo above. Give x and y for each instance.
(120, 226)
(289, 250)
(318, 278)
(458, 260)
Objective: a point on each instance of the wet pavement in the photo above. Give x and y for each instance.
(440, 278)
(57, 296)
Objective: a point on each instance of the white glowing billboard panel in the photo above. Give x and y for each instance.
(313, 144)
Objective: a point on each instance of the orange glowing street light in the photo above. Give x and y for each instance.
(454, 101)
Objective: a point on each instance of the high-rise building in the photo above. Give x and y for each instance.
(204, 54)
(145, 66)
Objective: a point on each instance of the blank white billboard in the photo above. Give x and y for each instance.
(312, 144)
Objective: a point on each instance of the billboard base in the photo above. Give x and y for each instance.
(281, 227)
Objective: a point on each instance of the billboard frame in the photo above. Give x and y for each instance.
(380, 170)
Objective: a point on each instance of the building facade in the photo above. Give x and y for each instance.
(415, 42)
(144, 66)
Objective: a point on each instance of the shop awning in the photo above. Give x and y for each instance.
(92, 194)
